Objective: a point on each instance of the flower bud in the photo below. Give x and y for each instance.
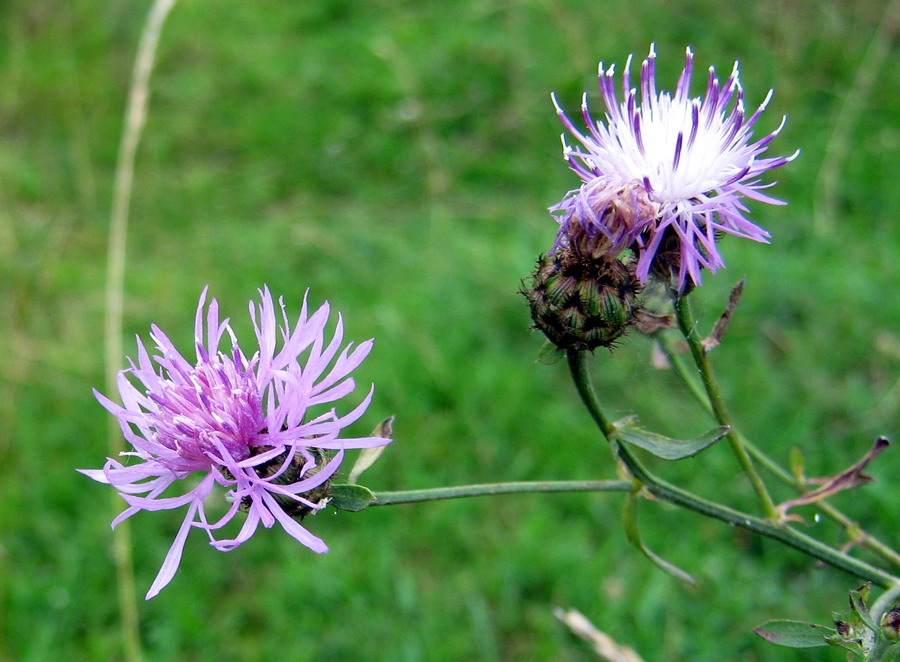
(582, 302)
(890, 623)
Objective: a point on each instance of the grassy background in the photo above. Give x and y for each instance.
(397, 158)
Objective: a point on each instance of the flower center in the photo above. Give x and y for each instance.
(212, 409)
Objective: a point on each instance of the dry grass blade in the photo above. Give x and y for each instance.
(135, 116)
(604, 645)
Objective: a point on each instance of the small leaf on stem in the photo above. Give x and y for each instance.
(796, 460)
(794, 634)
(649, 323)
(628, 431)
(629, 519)
(350, 497)
(858, 605)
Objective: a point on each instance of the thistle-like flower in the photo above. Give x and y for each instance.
(688, 161)
(245, 423)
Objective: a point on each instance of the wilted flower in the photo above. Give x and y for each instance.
(242, 422)
(685, 162)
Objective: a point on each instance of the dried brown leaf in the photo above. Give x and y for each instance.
(722, 323)
(846, 480)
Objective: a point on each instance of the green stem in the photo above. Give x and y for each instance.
(679, 497)
(487, 489)
(735, 438)
(681, 369)
(578, 367)
(852, 528)
(700, 395)
(856, 533)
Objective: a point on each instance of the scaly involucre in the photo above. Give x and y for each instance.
(237, 421)
(692, 158)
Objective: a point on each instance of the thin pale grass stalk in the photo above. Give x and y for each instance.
(604, 645)
(839, 144)
(135, 116)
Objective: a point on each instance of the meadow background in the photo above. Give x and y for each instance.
(397, 158)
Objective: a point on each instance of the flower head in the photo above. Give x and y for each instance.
(687, 162)
(241, 422)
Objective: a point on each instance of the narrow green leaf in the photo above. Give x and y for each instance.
(628, 431)
(846, 480)
(858, 603)
(350, 497)
(629, 520)
(368, 456)
(794, 634)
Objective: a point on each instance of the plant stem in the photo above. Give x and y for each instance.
(678, 364)
(487, 489)
(578, 367)
(856, 533)
(852, 528)
(735, 439)
(679, 497)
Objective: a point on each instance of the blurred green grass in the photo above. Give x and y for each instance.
(397, 158)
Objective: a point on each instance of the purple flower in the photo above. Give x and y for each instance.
(692, 157)
(244, 423)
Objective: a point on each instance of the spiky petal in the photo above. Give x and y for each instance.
(693, 157)
(237, 421)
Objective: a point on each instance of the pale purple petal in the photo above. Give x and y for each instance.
(173, 557)
(237, 422)
(292, 527)
(682, 150)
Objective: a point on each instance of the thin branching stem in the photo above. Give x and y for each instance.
(679, 497)
(852, 528)
(490, 489)
(735, 438)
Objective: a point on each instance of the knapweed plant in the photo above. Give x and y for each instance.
(665, 179)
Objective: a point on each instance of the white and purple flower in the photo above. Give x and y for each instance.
(237, 421)
(691, 158)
